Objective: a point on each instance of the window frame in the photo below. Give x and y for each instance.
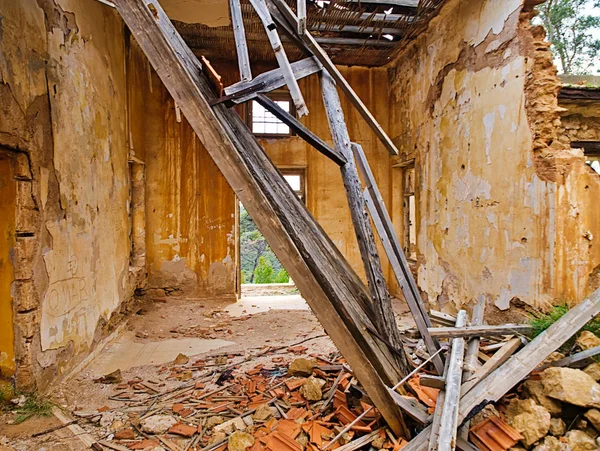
(301, 172)
(277, 95)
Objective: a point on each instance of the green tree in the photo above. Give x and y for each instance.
(263, 272)
(570, 31)
(281, 276)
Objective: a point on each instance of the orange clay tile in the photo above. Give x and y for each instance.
(427, 395)
(493, 434)
(281, 442)
(339, 399)
(144, 444)
(289, 428)
(344, 414)
(345, 381)
(293, 384)
(297, 349)
(296, 412)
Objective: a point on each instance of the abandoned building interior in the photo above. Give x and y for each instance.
(422, 176)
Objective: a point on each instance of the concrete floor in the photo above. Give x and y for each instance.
(250, 305)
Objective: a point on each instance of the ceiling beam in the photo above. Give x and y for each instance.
(405, 3)
(356, 41)
(358, 29)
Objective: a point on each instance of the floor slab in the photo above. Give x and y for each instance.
(249, 305)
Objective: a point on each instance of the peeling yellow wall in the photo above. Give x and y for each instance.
(495, 217)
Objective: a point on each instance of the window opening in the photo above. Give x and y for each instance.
(263, 123)
(410, 217)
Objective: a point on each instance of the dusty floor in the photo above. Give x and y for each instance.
(156, 335)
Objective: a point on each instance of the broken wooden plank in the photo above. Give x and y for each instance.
(441, 318)
(232, 97)
(449, 419)
(239, 35)
(290, 80)
(521, 364)
(269, 81)
(578, 360)
(78, 431)
(389, 240)
(382, 305)
(480, 331)
(412, 407)
(332, 288)
(429, 380)
(501, 356)
(343, 84)
(300, 129)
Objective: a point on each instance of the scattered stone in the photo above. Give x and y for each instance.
(593, 370)
(117, 425)
(488, 411)
(239, 441)
(235, 424)
(587, 340)
(157, 424)
(181, 359)
(529, 419)
(184, 430)
(141, 334)
(301, 367)
(111, 378)
(263, 412)
(593, 416)
(221, 360)
(379, 442)
(549, 444)
(311, 389)
(579, 441)
(534, 389)
(213, 421)
(217, 437)
(557, 427)
(555, 356)
(572, 386)
(125, 434)
(303, 438)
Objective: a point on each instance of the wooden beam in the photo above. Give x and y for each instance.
(521, 364)
(389, 239)
(301, 9)
(382, 305)
(343, 84)
(239, 35)
(446, 440)
(290, 80)
(578, 360)
(441, 318)
(480, 331)
(429, 380)
(412, 407)
(358, 29)
(269, 81)
(406, 3)
(356, 41)
(300, 129)
(331, 287)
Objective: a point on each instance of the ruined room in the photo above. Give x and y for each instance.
(298, 225)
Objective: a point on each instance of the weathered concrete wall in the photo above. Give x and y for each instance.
(474, 102)
(190, 208)
(63, 101)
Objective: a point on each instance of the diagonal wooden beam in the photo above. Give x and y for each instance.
(300, 129)
(239, 35)
(342, 83)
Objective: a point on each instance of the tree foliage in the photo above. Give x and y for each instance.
(570, 31)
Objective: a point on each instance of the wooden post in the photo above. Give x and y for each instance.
(239, 35)
(333, 290)
(301, 8)
(446, 440)
(384, 313)
(389, 239)
(261, 9)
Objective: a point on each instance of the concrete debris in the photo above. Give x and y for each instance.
(262, 413)
(572, 386)
(529, 419)
(158, 424)
(235, 424)
(311, 389)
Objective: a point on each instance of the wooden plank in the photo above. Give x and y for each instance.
(239, 35)
(333, 290)
(441, 318)
(382, 305)
(429, 380)
(301, 9)
(290, 80)
(395, 254)
(359, 29)
(578, 360)
(361, 42)
(412, 407)
(78, 431)
(449, 419)
(521, 364)
(406, 3)
(300, 129)
(343, 84)
(499, 357)
(269, 81)
(480, 331)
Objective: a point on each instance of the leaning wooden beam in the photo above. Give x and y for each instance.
(480, 331)
(382, 305)
(300, 129)
(301, 9)
(263, 13)
(332, 288)
(274, 79)
(412, 407)
(396, 257)
(343, 84)
(239, 35)
(521, 364)
(578, 360)
(446, 440)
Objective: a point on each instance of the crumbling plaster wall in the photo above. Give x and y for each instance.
(474, 102)
(63, 117)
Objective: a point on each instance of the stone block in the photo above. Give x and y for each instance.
(25, 295)
(27, 220)
(25, 194)
(22, 169)
(25, 250)
(26, 323)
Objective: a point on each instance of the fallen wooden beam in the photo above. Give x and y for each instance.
(239, 35)
(521, 364)
(301, 9)
(300, 129)
(331, 287)
(412, 407)
(446, 440)
(429, 380)
(269, 81)
(578, 360)
(480, 331)
(441, 318)
(343, 84)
